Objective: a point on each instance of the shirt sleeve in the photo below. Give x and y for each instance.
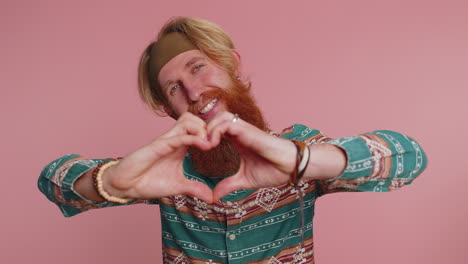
(58, 177)
(378, 161)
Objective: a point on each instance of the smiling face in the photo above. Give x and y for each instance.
(193, 66)
(191, 82)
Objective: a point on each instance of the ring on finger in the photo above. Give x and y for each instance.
(235, 118)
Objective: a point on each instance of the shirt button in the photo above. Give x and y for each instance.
(232, 236)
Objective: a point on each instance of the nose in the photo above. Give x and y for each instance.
(194, 89)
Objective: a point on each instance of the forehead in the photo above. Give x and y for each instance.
(177, 64)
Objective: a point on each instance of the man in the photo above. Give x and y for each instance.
(229, 189)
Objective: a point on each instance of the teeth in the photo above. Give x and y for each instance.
(209, 106)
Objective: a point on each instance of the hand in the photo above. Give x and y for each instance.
(155, 170)
(266, 160)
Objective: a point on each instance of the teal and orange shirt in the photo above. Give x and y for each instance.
(253, 226)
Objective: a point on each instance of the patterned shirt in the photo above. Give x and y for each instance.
(254, 226)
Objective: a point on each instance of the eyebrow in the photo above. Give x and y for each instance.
(187, 65)
(193, 61)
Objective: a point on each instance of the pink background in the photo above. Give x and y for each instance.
(68, 80)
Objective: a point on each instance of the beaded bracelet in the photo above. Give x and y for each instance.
(98, 184)
(302, 160)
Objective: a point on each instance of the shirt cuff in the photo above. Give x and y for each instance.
(359, 158)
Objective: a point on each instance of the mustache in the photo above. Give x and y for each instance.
(207, 96)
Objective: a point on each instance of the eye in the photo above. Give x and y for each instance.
(198, 67)
(173, 89)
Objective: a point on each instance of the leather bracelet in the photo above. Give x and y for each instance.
(302, 160)
(98, 184)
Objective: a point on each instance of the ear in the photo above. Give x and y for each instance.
(237, 56)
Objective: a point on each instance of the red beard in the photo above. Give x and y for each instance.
(224, 160)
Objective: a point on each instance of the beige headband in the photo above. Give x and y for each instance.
(165, 49)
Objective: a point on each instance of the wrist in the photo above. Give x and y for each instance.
(326, 161)
(103, 185)
(109, 183)
(302, 162)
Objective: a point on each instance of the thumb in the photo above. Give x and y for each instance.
(199, 190)
(228, 185)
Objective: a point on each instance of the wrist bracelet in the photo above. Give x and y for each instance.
(302, 160)
(98, 184)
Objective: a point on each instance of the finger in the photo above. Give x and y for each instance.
(219, 118)
(199, 190)
(187, 124)
(227, 127)
(184, 141)
(159, 148)
(193, 127)
(248, 136)
(187, 116)
(164, 146)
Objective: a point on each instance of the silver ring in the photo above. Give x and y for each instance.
(235, 118)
